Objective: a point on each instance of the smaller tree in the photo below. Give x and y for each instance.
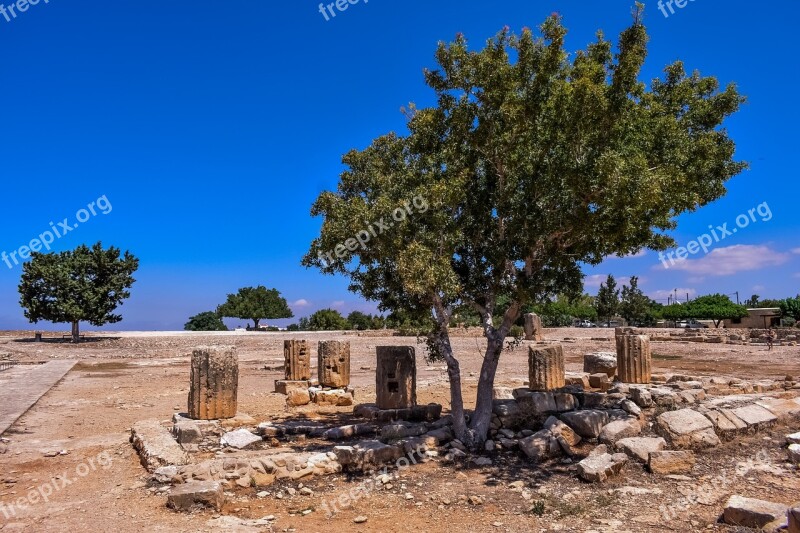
(634, 305)
(256, 304)
(82, 285)
(791, 307)
(206, 321)
(359, 321)
(752, 302)
(327, 320)
(716, 307)
(607, 301)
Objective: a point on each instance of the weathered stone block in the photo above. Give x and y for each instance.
(599, 468)
(396, 377)
(752, 513)
(156, 446)
(187, 496)
(546, 368)
(533, 327)
(214, 383)
(671, 462)
(686, 429)
(634, 358)
(588, 424)
(606, 362)
(333, 364)
(297, 360)
(283, 386)
(640, 447)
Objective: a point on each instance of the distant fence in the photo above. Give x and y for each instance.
(5, 365)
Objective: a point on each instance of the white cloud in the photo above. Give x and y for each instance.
(731, 260)
(596, 279)
(302, 302)
(796, 251)
(758, 288)
(337, 304)
(670, 293)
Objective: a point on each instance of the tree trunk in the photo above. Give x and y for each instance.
(76, 332)
(255, 323)
(442, 341)
(482, 417)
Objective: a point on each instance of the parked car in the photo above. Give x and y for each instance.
(586, 324)
(691, 324)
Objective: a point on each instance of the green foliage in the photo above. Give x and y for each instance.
(82, 285)
(716, 307)
(207, 321)
(791, 307)
(607, 301)
(533, 161)
(256, 304)
(327, 320)
(359, 321)
(634, 306)
(293, 327)
(538, 508)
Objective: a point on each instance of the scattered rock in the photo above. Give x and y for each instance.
(601, 467)
(640, 447)
(359, 519)
(620, 429)
(794, 520)
(671, 462)
(186, 496)
(752, 513)
(794, 453)
(687, 428)
(588, 424)
(239, 439)
(156, 446)
(540, 446)
(605, 362)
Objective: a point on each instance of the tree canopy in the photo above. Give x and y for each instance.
(716, 307)
(82, 285)
(256, 304)
(207, 321)
(327, 320)
(533, 161)
(607, 301)
(634, 306)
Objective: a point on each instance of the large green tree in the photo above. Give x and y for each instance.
(533, 161)
(327, 320)
(607, 301)
(82, 285)
(207, 321)
(256, 304)
(716, 307)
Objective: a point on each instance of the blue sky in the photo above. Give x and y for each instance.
(210, 128)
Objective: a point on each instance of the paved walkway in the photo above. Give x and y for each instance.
(22, 386)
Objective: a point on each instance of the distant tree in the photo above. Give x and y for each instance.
(675, 312)
(327, 320)
(207, 321)
(634, 305)
(607, 301)
(293, 327)
(359, 321)
(378, 322)
(769, 303)
(791, 307)
(716, 307)
(752, 302)
(256, 304)
(304, 324)
(82, 285)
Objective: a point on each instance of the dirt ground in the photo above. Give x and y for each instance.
(125, 377)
